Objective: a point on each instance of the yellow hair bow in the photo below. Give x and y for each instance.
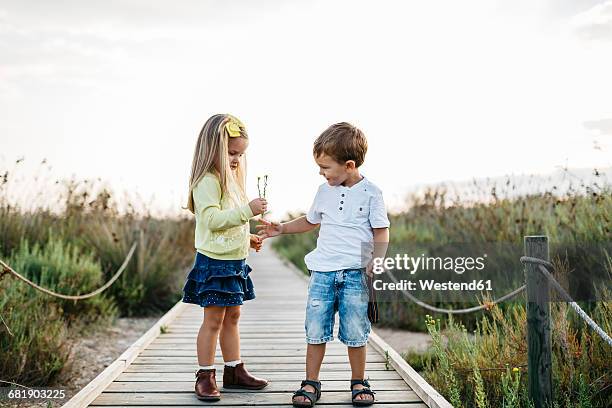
(234, 126)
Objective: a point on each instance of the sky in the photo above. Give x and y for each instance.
(444, 90)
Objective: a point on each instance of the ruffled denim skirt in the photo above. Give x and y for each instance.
(216, 282)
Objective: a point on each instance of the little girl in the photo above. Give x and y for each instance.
(219, 280)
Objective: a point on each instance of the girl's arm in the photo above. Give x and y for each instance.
(272, 229)
(207, 196)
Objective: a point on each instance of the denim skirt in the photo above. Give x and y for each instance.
(216, 282)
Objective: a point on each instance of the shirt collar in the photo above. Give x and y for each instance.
(359, 184)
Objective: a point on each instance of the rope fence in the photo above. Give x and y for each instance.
(486, 305)
(542, 266)
(538, 279)
(8, 270)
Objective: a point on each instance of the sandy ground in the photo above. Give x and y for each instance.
(403, 340)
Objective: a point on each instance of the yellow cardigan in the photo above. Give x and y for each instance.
(222, 222)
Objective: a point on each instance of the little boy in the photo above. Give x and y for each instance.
(351, 212)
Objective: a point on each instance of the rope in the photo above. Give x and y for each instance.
(12, 383)
(542, 264)
(486, 305)
(8, 269)
(5, 325)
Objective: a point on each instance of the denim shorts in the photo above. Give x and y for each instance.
(345, 292)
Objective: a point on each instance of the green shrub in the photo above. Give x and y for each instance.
(475, 370)
(36, 348)
(64, 269)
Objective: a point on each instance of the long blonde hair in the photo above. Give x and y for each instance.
(211, 148)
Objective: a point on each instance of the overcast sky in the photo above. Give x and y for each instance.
(444, 90)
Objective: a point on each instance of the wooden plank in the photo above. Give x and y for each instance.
(260, 359)
(190, 340)
(299, 329)
(189, 398)
(285, 405)
(274, 386)
(298, 337)
(178, 368)
(428, 394)
(251, 346)
(297, 375)
(539, 349)
(292, 352)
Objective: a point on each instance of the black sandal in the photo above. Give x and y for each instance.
(365, 390)
(312, 397)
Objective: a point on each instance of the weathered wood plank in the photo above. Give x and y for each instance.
(274, 386)
(345, 405)
(182, 368)
(292, 352)
(259, 359)
(539, 346)
(188, 398)
(295, 376)
(250, 346)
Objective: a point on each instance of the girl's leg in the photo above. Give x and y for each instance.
(235, 375)
(207, 336)
(229, 337)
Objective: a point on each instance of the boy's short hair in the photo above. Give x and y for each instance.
(342, 142)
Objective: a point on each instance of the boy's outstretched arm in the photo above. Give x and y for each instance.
(271, 229)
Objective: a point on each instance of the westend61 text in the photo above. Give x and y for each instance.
(433, 285)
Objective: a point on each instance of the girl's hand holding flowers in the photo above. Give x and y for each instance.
(258, 206)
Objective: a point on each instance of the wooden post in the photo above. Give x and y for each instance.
(539, 352)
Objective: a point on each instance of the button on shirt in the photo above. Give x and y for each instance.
(347, 216)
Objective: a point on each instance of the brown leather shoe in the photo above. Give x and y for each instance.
(239, 377)
(206, 385)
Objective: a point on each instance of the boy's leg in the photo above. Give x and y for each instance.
(314, 359)
(354, 324)
(319, 324)
(357, 358)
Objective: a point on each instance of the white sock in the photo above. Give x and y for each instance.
(233, 363)
(210, 367)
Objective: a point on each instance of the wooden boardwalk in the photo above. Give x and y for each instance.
(162, 368)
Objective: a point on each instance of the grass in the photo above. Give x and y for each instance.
(489, 369)
(72, 243)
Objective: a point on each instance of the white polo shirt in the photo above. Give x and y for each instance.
(347, 216)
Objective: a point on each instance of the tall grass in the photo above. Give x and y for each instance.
(475, 371)
(34, 343)
(72, 242)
